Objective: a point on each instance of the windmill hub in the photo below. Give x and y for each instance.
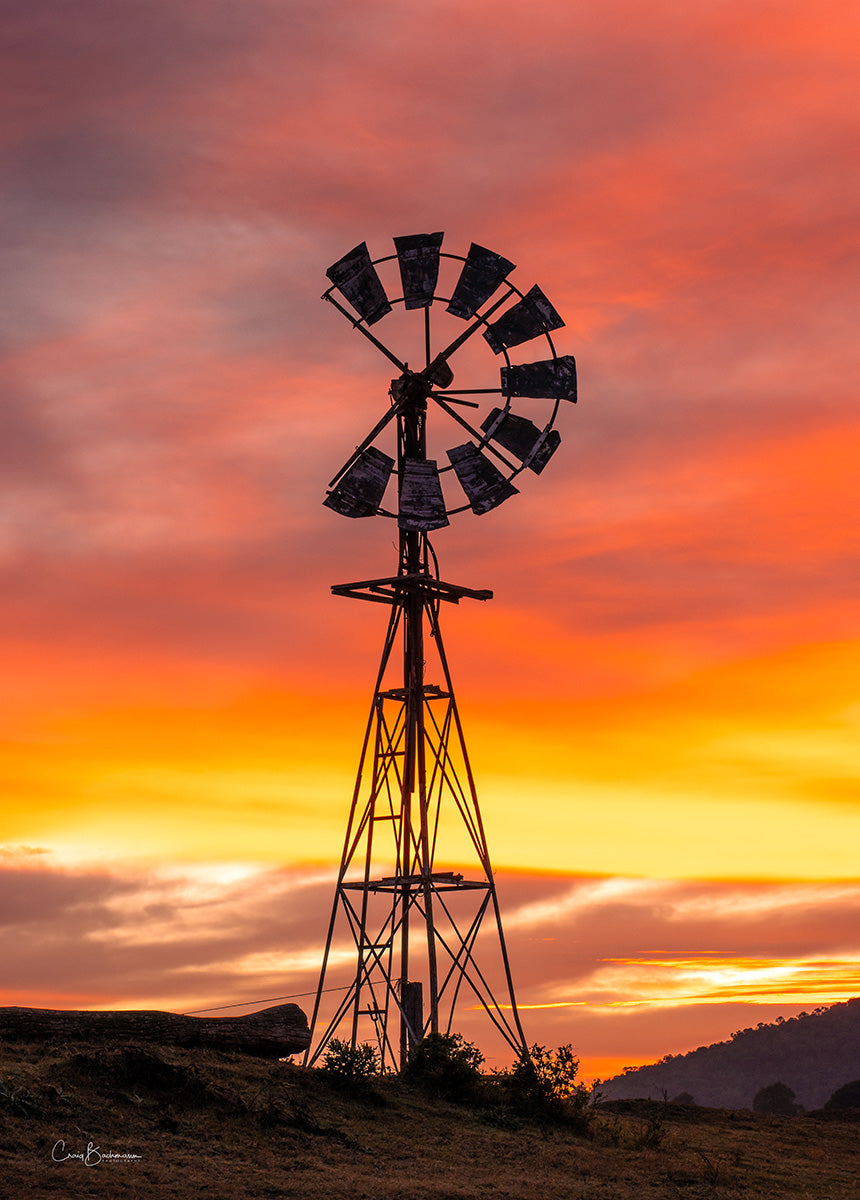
(411, 390)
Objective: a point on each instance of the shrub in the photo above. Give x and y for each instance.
(446, 1066)
(654, 1131)
(847, 1096)
(543, 1084)
(776, 1099)
(551, 1074)
(17, 1099)
(351, 1063)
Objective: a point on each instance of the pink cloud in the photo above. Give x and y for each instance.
(596, 960)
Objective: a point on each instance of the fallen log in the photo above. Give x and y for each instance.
(271, 1033)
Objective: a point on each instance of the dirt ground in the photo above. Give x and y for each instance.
(137, 1121)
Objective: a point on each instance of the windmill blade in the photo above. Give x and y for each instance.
(530, 317)
(418, 257)
(422, 505)
(484, 484)
(550, 379)
(532, 446)
(483, 272)
(356, 279)
(360, 490)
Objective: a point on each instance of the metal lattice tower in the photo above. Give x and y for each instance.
(412, 932)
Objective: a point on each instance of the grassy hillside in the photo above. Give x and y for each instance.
(182, 1123)
(813, 1054)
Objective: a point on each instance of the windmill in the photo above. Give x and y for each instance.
(419, 940)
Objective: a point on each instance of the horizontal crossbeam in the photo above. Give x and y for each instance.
(392, 589)
(439, 881)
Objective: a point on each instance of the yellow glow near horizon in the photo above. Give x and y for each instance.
(722, 775)
(644, 832)
(577, 827)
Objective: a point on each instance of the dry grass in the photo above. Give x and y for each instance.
(226, 1128)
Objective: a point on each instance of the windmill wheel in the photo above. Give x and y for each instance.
(492, 443)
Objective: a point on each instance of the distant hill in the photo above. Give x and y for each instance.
(813, 1053)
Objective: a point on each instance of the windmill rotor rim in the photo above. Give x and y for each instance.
(482, 439)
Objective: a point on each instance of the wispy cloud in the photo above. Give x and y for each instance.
(188, 937)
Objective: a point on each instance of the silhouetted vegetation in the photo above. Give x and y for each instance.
(353, 1069)
(446, 1066)
(847, 1096)
(350, 1063)
(542, 1085)
(776, 1099)
(812, 1054)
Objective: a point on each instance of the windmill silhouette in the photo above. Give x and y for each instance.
(420, 941)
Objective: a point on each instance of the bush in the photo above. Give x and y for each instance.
(776, 1099)
(847, 1096)
(543, 1084)
(446, 1066)
(351, 1063)
(17, 1099)
(549, 1074)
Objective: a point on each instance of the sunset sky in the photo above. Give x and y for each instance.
(661, 701)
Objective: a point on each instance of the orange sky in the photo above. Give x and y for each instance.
(661, 700)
